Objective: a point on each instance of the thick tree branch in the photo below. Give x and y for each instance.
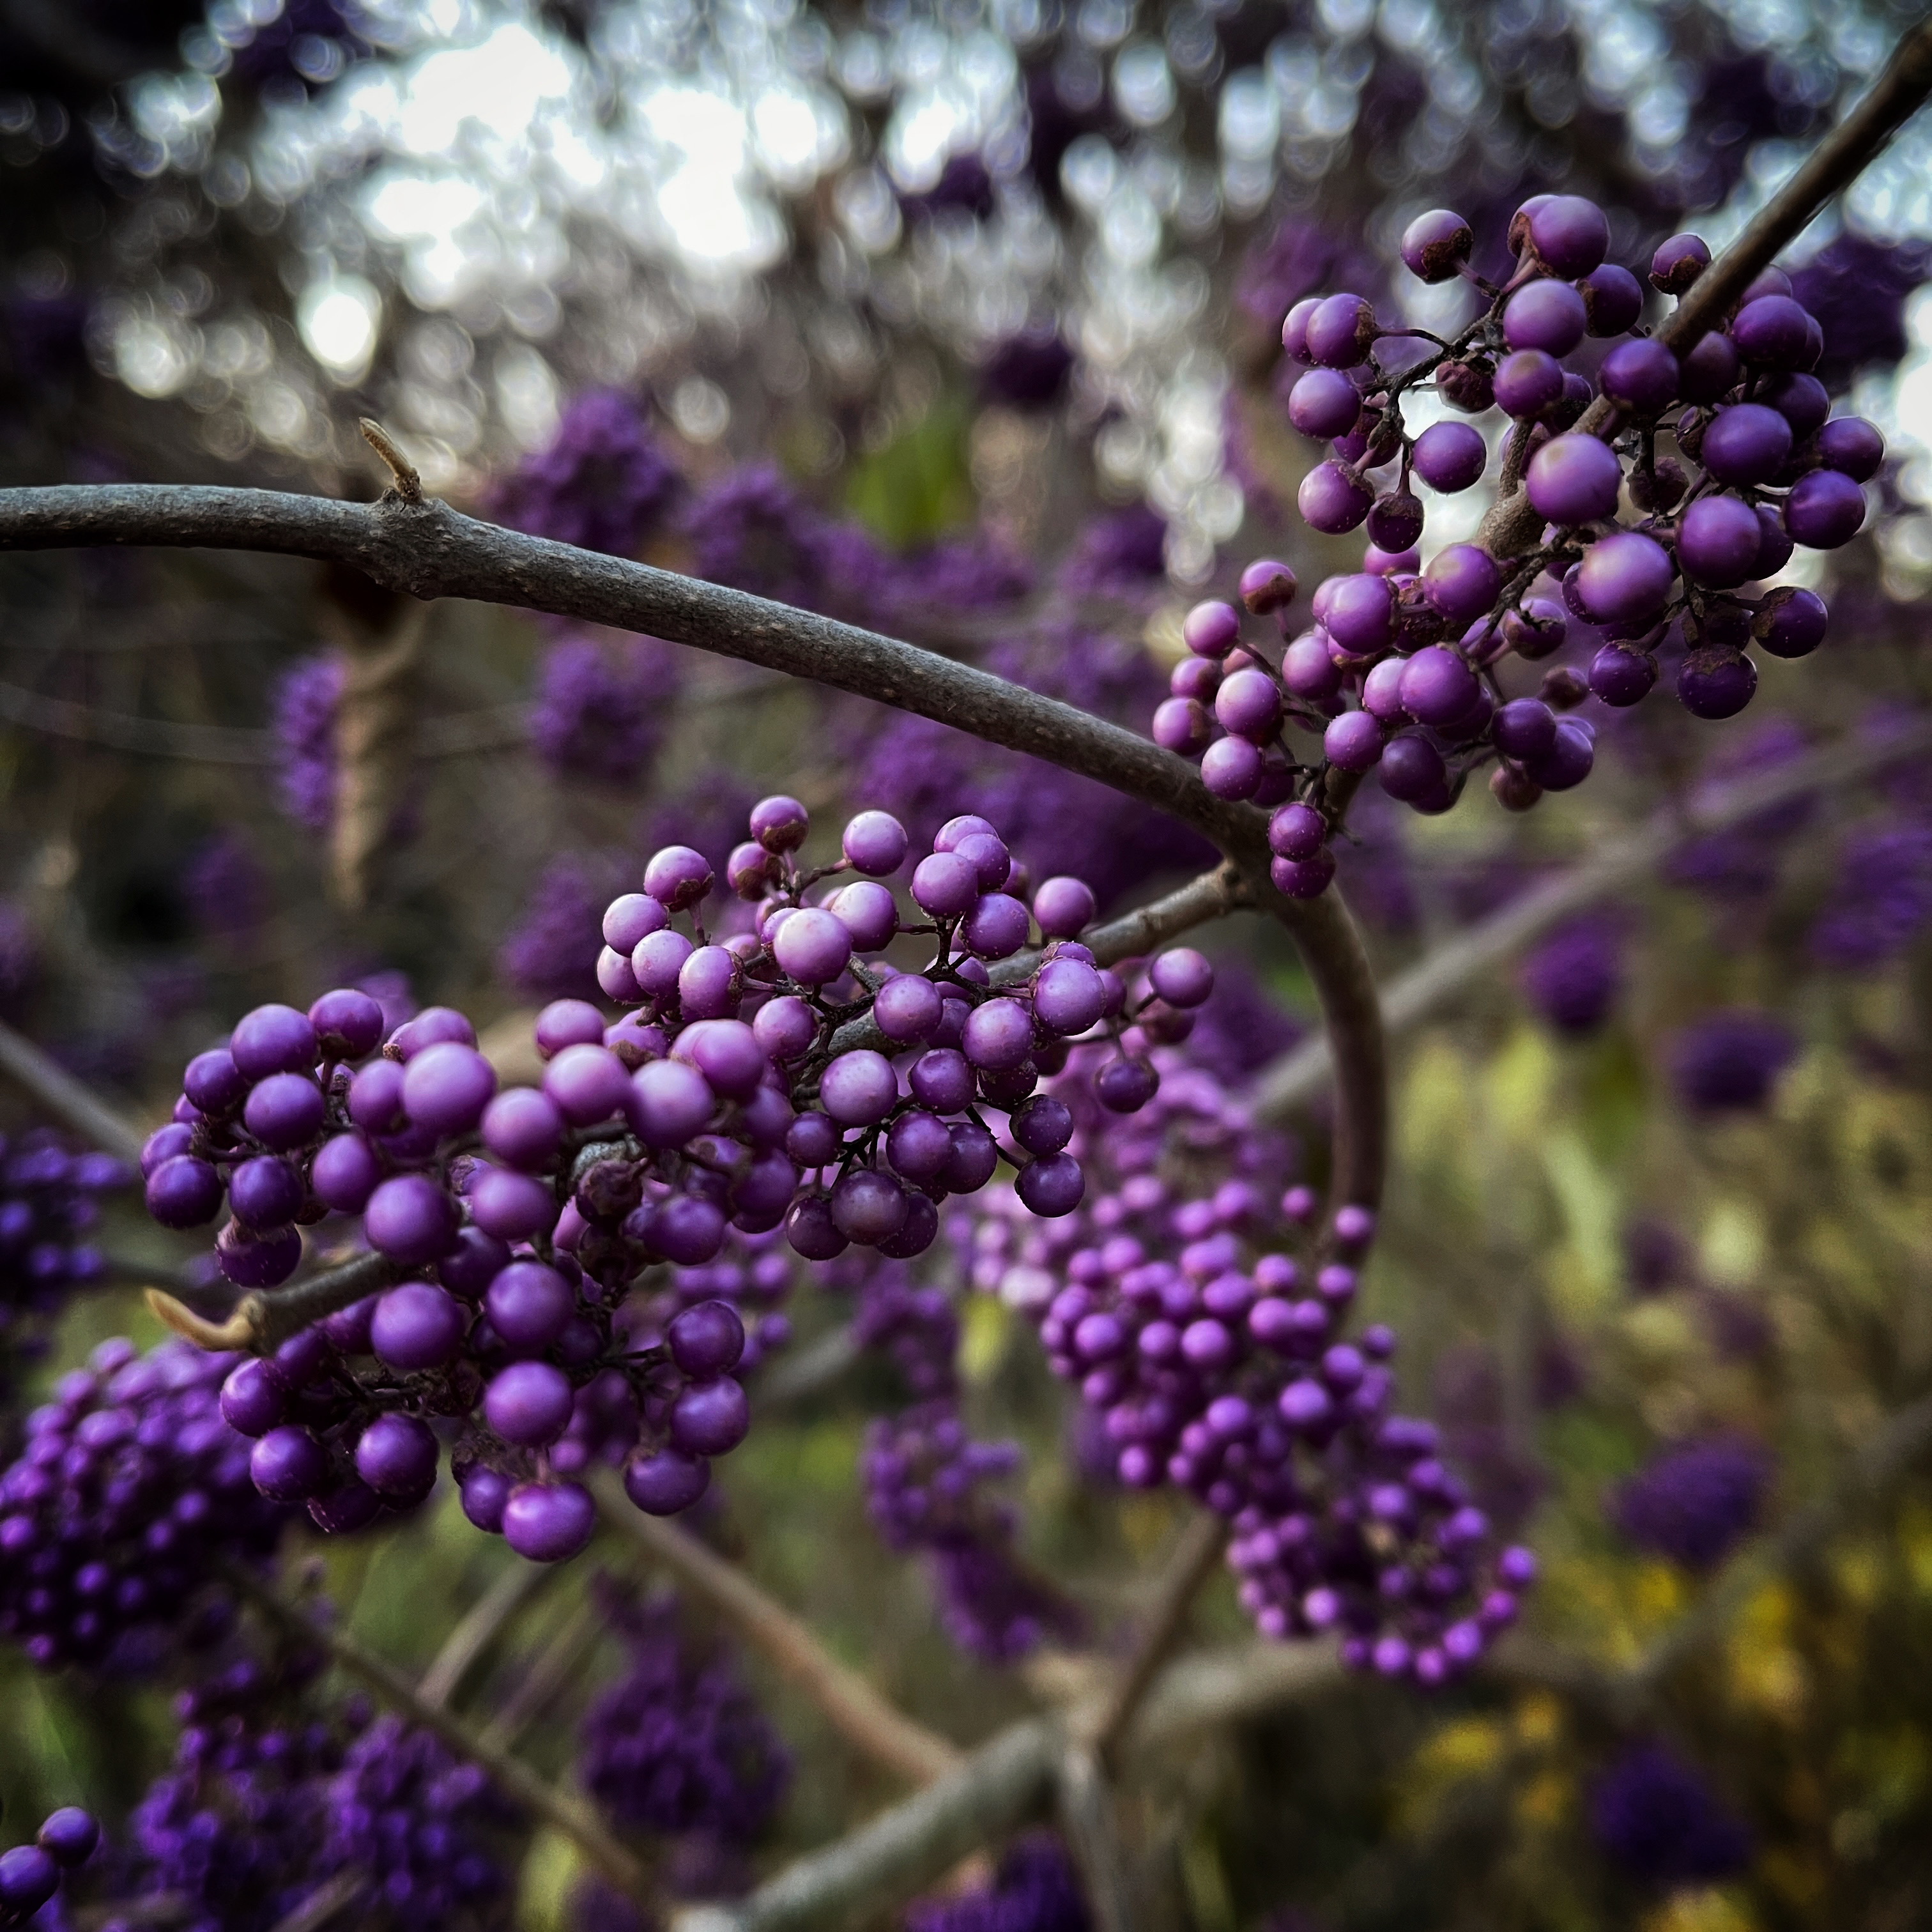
(1434, 981)
(1511, 526)
(1085, 1806)
(427, 549)
(865, 1719)
(560, 1810)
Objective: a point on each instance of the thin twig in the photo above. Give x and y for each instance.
(334, 1895)
(1433, 982)
(569, 1649)
(427, 549)
(561, 1810)
(1511, 525)
(480, 1626)
(1192, 1563)
(859, 1714)
(70, 1101)
(408, 483)
(797, 1377)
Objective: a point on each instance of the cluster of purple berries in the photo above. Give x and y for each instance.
(1217, 1363)
(490, 1326)
(853, 1090)
(50, 1200)
(1400, 672)
(928, 1483)
(128, 1490)
(30, 1875)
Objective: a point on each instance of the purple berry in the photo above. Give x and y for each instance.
(1069, 996)
(1613, 299)
(1267, 586)
(813, 947)
(627, 918)
(1772, 332)
(858, 1089)
(214, 1083)
(529, 1404)
(1549, 316)
(1824, 510)
(1449, 456)
(1462, 582)
(1568, 761)
(286, 1110)
(946, 885)
(1249, 705)
(906, 1008)
(1302, 878)
(1412, 769)
(678, 876)
(1341, 331)
(548, 1522)
(1851, 446)
(1297, 831)
(1436, 246)
(1747, 443)
(69, 1836)
(289, 1465)
(666, 1483)
(1571, 234)
(1643, 375)
(1332, 500)
(1716, 682)
(1525, 728)
(998, 1035)
(1710, 371)
(397, 1455)
(1324, 403)
(1678, 263)
(587, 1084)
(416, 1326)
(1353, 742)
(669, 1102)
(1625, 577)
(1574, 479)
(184, 1193)
(710, 1418)
(274, 1039)
(1621, 675)
(1529, 382)
(1718, 540)
(1790, 623)
(523, 1127)
(1052, 1186)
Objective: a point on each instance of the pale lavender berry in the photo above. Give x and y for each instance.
(875, 843)
(1382, 691)
(446, 1087)
(906, 1008)
(709, 984)
(1643, 375)
(965, 825)
(1332, 500)
(711, 1418)
(946, 885)
(860, 1088)
(633, 916)
(1438, 687)
(1324, 402)
(184, 1193)
(1212, 629)
(397, 1455)
(1449, 457)
(1529, 382)
(1574, 479)
(1249, 705)
(1069, 996)
(587, 1084)
(1462, 582)
(1341, 331)
(1435, 246)
(1549, 316)
(1824, 510)
(523, 1127)
(668, 1101)
(1305, 1406)
(1297, 831)
(1267, 586)
(1747, 443)
(1571, 234)
(548, 1523)
(867, 911)
(1353, 742)
(1678, 263)
(1718, 539)
(432, 1024)
(813, 947)
(996, 927)
(998, 1035)
(274, 1039)
(568, 1023)
(658, 960)
(286, 1110)
(616, 979)
(529, 1403)
(779, 824)
(1851, 446)
(288, 1465)
(1182, 976)
(1360, 613)
(1231, 768)
(785, 1027)
(1295, 328)
(1180, 724)
(416, 1326)
(1309, 670)
(1625, 576)
(678, 876)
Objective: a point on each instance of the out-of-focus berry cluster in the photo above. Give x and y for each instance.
(1218, 1363)
(929, 1483)
(1689, 481)
(128, 1491)
(50, 1201)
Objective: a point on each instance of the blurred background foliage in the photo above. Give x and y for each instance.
(959, 320)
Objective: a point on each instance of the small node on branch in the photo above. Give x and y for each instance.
(408, 483)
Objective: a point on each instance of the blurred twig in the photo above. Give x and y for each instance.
(480, 1627)
(70, 1101)
(565, 1653)
(561, 1810)
(1428, 986)
(1085, 1805)
(334, 1895)
(859, 1714)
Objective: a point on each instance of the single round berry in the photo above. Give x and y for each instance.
(1624, 577)
(1341, 331)
(1449, 456)
(1462, 582)
(1571, 234)
(1052, 1186)
(1525, 728)
(1266, 586)
(286, 1110)
(1747, 443)
(215, 1084)
(1333, 500)
(416, 1326)
(1324, 403)
(288, 1465)
(1527, 383)
(710, 1418)
(274, 1039)
(397, 1455)
(875, 843)
(1613, 299)
(678, 876)
(1772, 332)
(69, 1835)
(1710, 371)
(1851, 446)
(1621, 675)
(529, 1404)
(183, 1191)
(1643, 375)
(860, 1088)
(1718, 540)
(1302, 878)
(1436, 245)
(1825, 510)
(1549, 316)
(548, 1523)
(1574, 479)
(666, 1483)
(1678, 262)
(1790, 623)
(1716, 682)
(1353, 742)
(1297, 831)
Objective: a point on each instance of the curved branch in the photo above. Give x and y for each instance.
(1511, 526)
(427, 549)
(855, 1710)
(1433, 982)
(70, 1101)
